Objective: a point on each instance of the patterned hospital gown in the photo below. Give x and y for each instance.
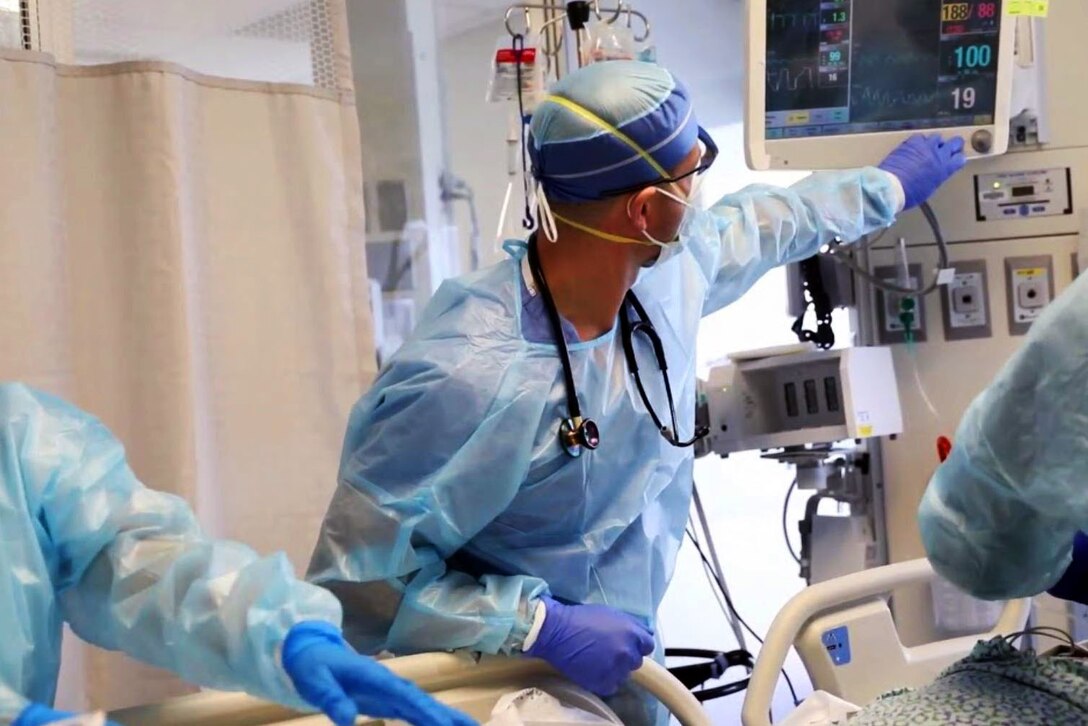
(996, 684)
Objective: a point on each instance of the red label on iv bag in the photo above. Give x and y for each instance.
(510, 55)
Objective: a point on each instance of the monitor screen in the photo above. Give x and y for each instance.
(867, 66)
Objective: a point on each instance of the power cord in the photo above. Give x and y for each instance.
(841, 253)
(817, 298)
(733, 609)
(824, 336)
(1048, 631)
(785, 529)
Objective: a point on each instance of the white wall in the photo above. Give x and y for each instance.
(476, 130)
(702, 42)
(385, 96)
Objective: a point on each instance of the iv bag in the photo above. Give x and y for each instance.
(511, 63)
(606, 42)
(646, 49)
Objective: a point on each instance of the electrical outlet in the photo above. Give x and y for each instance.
(1030, 283)
(965, 303)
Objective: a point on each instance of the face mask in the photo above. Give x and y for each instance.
(693, 219)
(688, 223)
(689, 207)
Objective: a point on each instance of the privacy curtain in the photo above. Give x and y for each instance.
(183, 257)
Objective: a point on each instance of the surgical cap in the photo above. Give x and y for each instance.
(610, 126)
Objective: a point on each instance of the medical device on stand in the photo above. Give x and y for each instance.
(598, 32)
(543, 40)
(812, 410)
(839, 83)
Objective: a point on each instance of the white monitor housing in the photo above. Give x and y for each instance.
(794, 399)
(835, 84)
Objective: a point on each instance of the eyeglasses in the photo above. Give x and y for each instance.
(708, 155)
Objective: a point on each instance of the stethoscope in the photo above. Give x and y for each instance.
(577, 434)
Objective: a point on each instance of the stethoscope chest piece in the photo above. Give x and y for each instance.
(577, 435)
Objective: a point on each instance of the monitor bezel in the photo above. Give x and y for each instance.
(847, 151)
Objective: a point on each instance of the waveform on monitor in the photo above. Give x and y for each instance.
(886, 60)
(789, 79)
(893, 99)
(778, 22)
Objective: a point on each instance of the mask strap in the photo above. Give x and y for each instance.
(675, 197)
(646, 233)
(545, 214)
(696, 187)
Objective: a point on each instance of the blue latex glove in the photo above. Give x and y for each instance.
(1074, 583)
(595, 646)
(38, 715)
(333, 677)
(923, 163)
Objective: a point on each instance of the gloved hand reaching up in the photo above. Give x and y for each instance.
(595, 646)
(330, 675)
(923, 163)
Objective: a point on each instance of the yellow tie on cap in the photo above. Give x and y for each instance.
(597, 120)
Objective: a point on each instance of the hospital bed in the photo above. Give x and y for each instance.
(842, 629)
(848, 642)
(471, 683)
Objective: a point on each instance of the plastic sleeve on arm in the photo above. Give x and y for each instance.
(539, 616)
(898, 191)
(137, 575)
(492, 614)
(403, 507)
(999, 518)
(762, 227)
(433, 608)
(993, 550)
(11, 704)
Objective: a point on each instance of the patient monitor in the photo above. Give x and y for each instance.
(839, 83)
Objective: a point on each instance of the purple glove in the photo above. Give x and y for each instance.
(595, 646)
(923, 163)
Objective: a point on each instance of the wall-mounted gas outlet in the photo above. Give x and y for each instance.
(889, 307)
(965, 303)
(1030, 283)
